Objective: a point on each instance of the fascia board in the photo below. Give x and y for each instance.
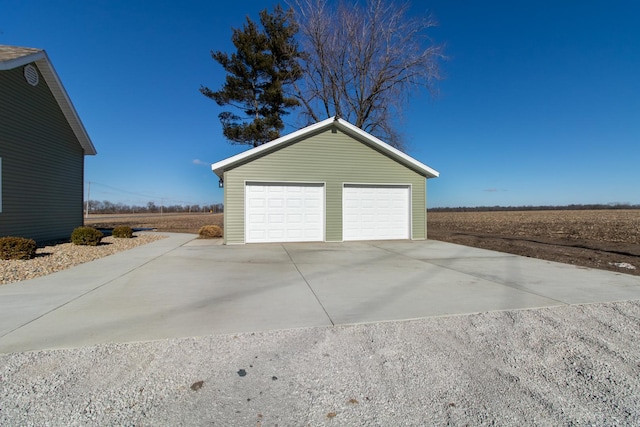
(61, 96)
(23, 60)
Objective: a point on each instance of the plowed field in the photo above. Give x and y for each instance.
(178, 223)
(604, 239)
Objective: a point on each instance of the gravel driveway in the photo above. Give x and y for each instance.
(570, 365)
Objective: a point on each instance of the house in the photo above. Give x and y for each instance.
(42, 149)
(328, 182)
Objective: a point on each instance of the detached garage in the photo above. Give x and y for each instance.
(328, 182)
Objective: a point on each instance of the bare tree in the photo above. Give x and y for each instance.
(363, 61)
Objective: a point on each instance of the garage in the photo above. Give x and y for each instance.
(328, 182)
(376, 212)
(284, 212)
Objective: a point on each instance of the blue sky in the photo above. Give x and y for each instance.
(540, 104)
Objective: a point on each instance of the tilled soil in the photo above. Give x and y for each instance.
(607, 240)
(586, 253)
(170, 222)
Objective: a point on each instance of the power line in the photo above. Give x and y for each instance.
(147, 196)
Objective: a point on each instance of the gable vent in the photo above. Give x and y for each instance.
(31, 75)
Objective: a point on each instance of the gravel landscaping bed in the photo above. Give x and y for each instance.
(52, 258)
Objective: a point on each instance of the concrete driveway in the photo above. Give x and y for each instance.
(181, 286)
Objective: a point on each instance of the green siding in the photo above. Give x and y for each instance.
(326, 157)
(42, 162)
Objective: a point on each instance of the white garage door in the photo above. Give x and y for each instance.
(373, 212)
(284, 212)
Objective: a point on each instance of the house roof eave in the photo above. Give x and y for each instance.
(69, 111)
(15, 62)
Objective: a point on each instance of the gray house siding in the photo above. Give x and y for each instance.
(325, 157)
(42, 162)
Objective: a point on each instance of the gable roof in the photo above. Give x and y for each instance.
(13, 57)
(219, 167)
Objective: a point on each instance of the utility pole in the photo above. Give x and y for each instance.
(86, 215)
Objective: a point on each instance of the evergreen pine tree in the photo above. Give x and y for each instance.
(258, 74)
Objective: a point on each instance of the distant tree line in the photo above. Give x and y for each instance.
(107, 207)
(537, 208)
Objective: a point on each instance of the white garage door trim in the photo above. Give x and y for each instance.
(376, 211)
(284, 212)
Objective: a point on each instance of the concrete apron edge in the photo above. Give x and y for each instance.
(309, 328)
(474, 313)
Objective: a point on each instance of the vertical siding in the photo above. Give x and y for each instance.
(42, 162)
(330, 158)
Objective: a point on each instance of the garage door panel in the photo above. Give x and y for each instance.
(313, 218)
(276, 219)
(290, 212)
(295, 202)
(275, 235)
(258, 219)
(294, 219)
(257, 203)
(257, 235)
(276, 202)
(376, 212)
(314, 203)
(294, 235)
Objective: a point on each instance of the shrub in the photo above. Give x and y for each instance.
(210, 232)
(87, 236)
(122, 231)
(17, 248)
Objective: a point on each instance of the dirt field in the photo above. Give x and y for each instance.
(604, 239)
(178, 223)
